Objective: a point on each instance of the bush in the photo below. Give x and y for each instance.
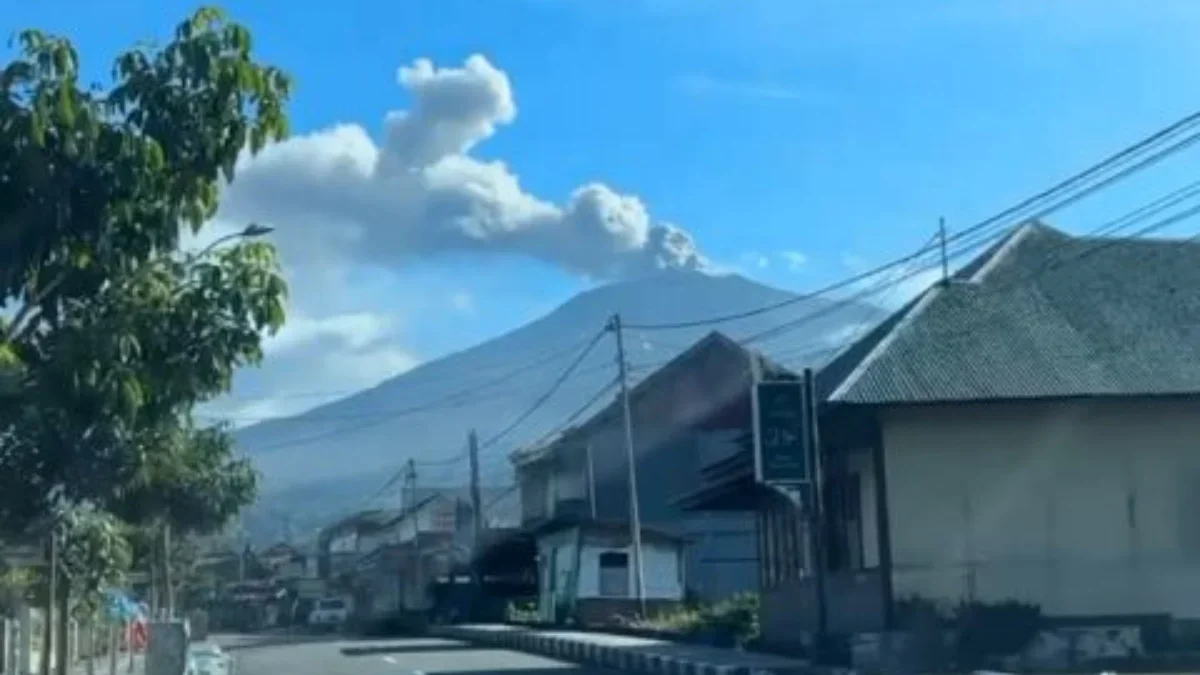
(980, 633)
(738, 616)
(985, 632)
(733, 621)
(525, 612)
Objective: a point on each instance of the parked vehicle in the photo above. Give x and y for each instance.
(330, 613)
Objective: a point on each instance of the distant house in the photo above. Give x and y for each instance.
(694, 408)
(588, 574)
(1028, 430)
(285, 561)
(340, 545)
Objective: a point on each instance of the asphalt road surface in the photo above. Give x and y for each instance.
(288, 655)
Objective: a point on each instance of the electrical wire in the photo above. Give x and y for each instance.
(1104, 241)
(983, 226)
(453, 398)
(496, 438)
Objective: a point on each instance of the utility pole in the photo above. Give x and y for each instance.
(591, 479)
(476, 510)
(820, 542)
(408, 489)
(635, 518)
(476, 502)
(245, 553)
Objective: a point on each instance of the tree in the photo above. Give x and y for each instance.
(115, 334)
(193, 485)
(95, 556)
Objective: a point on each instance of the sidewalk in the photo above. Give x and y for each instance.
(643, 656)
(139, 665)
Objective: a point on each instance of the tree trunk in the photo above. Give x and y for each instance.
(62, 650)
(48, 619)
(91, 650)
(152, 568)
(114, 646)
(168, 589)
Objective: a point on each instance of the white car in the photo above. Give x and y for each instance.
(206, 658)
(329, 613)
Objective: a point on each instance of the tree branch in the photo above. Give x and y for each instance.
(16, 330)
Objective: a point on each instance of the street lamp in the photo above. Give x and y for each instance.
(251, 231)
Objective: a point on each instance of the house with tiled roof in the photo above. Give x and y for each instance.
(1028, 429)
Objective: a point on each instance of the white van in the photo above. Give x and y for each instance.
(330, 613)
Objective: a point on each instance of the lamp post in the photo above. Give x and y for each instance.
(251, 231)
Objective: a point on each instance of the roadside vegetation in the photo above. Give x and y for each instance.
(114, 328)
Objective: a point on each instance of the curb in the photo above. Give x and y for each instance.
(621, 659)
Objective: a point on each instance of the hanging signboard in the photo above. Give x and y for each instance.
(781, 454)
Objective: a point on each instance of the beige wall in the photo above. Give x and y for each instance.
(1084, 507)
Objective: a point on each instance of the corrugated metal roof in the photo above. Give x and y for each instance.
(1047, 315)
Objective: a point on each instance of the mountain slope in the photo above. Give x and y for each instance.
(323, 461)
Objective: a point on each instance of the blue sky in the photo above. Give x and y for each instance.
(838, 130)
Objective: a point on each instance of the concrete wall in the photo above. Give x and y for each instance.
(721, 558)
(1085, 507)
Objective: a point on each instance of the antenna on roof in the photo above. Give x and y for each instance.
(942, 245)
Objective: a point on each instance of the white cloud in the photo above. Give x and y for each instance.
(354, 331)
(312, 361)
(346, 206)
(705, 85)
(794, 259)
(755, 260)
(421, 194)
(854, 263)
(463, 302)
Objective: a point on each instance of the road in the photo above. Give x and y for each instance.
(282, 655)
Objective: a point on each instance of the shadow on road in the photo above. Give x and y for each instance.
(410, 649)
(280, 640)
(559, 670)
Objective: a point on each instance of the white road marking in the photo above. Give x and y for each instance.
(390, 659)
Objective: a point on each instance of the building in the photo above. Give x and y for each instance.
(694, 408)
(340, 545)
(586, 571)
(1026, 430)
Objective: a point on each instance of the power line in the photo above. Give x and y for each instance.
(1046, 211)
(545, 397)
(975, 234)
(580, 412)
(983, 226)
(460, 400)
(432, 405)
(497, 437)
(1055, 261)
(422, 375)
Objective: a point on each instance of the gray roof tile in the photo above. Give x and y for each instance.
(1047, 315)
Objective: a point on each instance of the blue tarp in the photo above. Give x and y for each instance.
(118, 605)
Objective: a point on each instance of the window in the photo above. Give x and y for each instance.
(614, 574)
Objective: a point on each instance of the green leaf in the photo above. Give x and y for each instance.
(132, 338)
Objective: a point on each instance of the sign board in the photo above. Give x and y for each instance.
(781, 454)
